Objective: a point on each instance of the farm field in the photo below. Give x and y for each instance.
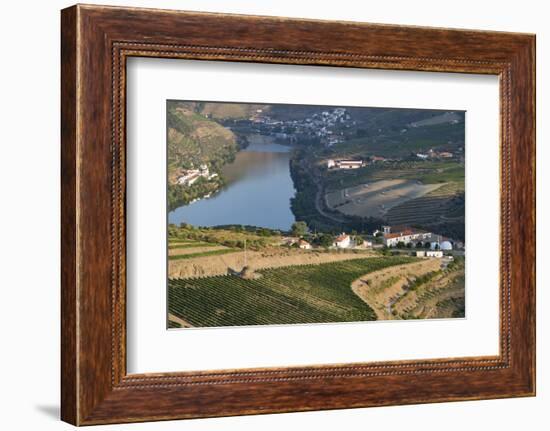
(293, 294)
(428, 194)
(203, 265)
(190, 249)
(427, 172)
(201, 258)
(377, 198)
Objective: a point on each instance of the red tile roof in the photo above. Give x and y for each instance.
(341, 237)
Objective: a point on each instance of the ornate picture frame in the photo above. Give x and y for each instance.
(96, 41)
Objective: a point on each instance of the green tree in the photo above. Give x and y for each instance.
(299, 228)
(326, 240)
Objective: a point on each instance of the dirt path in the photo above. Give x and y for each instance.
(380, 289)
(176, 319)
(269, 258)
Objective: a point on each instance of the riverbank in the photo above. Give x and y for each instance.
(257, 191)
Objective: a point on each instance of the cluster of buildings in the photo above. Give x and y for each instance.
(190, 176)
(393, 236)
(341, 241)
(427, 244)
(328, 125)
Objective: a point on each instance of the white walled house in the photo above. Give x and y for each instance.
(434, 253)
(350, 164)
(342, 241)
(345, 164)
(406, 235)
(304, 245)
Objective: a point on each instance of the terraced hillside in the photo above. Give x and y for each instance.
(442, 209)
(422, 290)
(296, 294)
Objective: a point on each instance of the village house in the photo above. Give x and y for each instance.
(342, 241)
(345, 164)
(290, 240)
(403, 234)
(406, 235)
(377, 159)
(350, 164)
(304, 245)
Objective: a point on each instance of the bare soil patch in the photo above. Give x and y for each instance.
(374, 199)
(268, 258)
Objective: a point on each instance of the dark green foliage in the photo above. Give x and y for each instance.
(172, 324)
(299, 228)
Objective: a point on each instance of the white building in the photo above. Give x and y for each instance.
(190, 176)
(304, 245)
(349, 164)
(406, 235)
(434, 253)
(343, 164)
(342, 241)
(446, 245)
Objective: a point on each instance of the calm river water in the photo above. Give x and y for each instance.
(258, 191)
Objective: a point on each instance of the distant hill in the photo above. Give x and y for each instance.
(194, 139)
(225, 111)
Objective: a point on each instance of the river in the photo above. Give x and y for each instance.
(258, 191)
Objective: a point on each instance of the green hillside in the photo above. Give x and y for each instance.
(194, 140)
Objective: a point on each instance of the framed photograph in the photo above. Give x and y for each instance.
(264, 215)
